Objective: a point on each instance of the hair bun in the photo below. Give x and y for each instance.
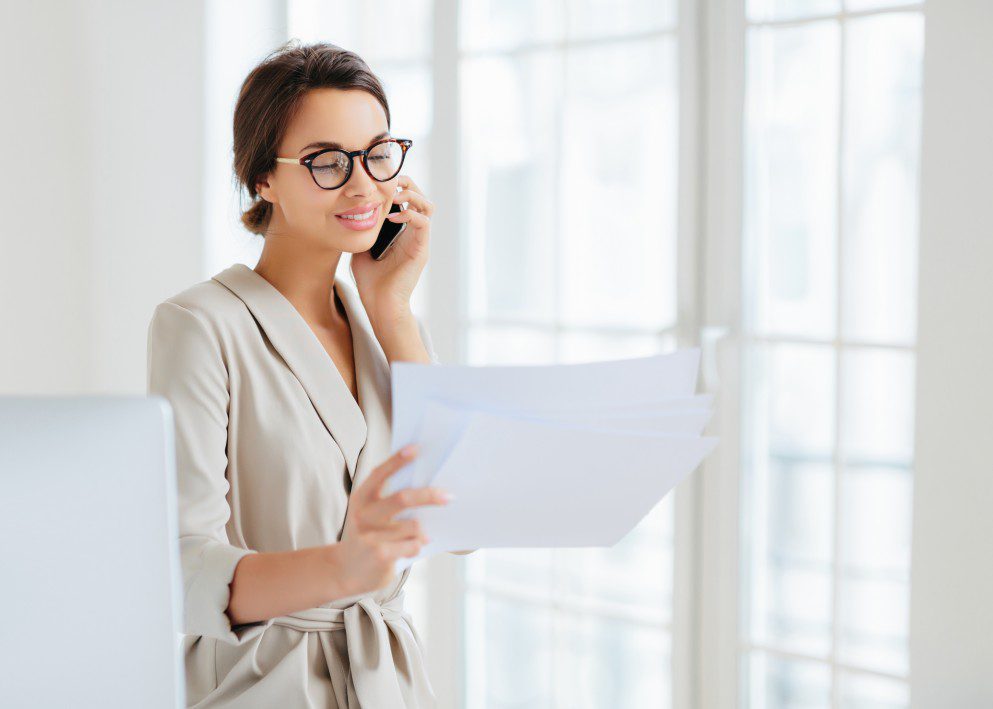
(256, 218)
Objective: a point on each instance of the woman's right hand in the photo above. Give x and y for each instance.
(372, 540)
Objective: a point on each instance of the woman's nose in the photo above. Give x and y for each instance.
(360, 177)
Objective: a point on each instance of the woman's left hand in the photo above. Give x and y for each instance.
(385, 286)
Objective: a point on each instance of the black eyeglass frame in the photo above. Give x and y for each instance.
(308, 160)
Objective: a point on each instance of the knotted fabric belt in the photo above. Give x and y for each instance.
(374, 674)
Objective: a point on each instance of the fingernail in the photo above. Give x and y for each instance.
(409, 450)
(447, 496)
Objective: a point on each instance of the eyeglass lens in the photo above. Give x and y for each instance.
(331, 168)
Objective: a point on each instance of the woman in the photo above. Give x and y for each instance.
(279, 379)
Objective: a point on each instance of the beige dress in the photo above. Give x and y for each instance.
(269, 442)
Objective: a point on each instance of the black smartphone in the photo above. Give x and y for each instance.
(387, 235)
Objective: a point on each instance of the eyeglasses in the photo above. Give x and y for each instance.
(331, 167)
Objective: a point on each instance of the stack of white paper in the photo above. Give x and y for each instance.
(546, 456)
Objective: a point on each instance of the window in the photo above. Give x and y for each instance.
(831, 142)
(569, 144)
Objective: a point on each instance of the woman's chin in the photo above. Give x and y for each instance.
(356, 242)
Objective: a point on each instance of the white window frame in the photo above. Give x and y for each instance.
(722, 43)
(719, 582)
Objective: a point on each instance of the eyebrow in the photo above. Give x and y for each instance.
(331, 144)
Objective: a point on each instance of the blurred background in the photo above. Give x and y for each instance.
(803, 188)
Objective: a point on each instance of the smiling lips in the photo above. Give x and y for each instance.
(358, 210)
(359, 218)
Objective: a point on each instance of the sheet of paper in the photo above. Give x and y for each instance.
(640, 381)
(443, 424)
(699, 402)
(691, 421)
(526, 484)
(547, 455)
(440, 430)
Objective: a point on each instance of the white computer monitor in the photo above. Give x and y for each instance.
(89, 557)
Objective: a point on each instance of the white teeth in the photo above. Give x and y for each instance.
(358, 217)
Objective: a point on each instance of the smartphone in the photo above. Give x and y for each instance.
(388, 234)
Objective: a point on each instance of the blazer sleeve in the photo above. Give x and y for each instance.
(186, 367)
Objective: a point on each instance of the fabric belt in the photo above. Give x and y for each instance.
(372, 670)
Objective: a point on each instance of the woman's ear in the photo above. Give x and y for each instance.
(263, 189)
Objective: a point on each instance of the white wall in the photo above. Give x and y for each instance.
(952, 574)
(101, 191)
(44, 233)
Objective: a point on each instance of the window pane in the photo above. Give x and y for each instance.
(789, 576)
(594, 346)
(509, 345)
(875, 568)
(611, 663)
(511, 662)
(612, 17)
(882, 134)
(792, 400)
(616, 208)
(359, 26)
(776, 683)
(876, 504)
(877, 422)
(637, 571)
(791, 132)
(854, 5)
(409, 89)
(866, 692)
(526, 570)
(764, 10)
(828, 430)
(874, 615)
(789, 497)
(510, 116)
(505, 24)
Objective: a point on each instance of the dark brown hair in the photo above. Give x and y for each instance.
(271, 95)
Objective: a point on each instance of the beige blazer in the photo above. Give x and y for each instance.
(269, 442)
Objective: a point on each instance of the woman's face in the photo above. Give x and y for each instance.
(301, 209)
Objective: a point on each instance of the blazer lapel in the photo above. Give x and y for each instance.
(306, 357)
(372, 372)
